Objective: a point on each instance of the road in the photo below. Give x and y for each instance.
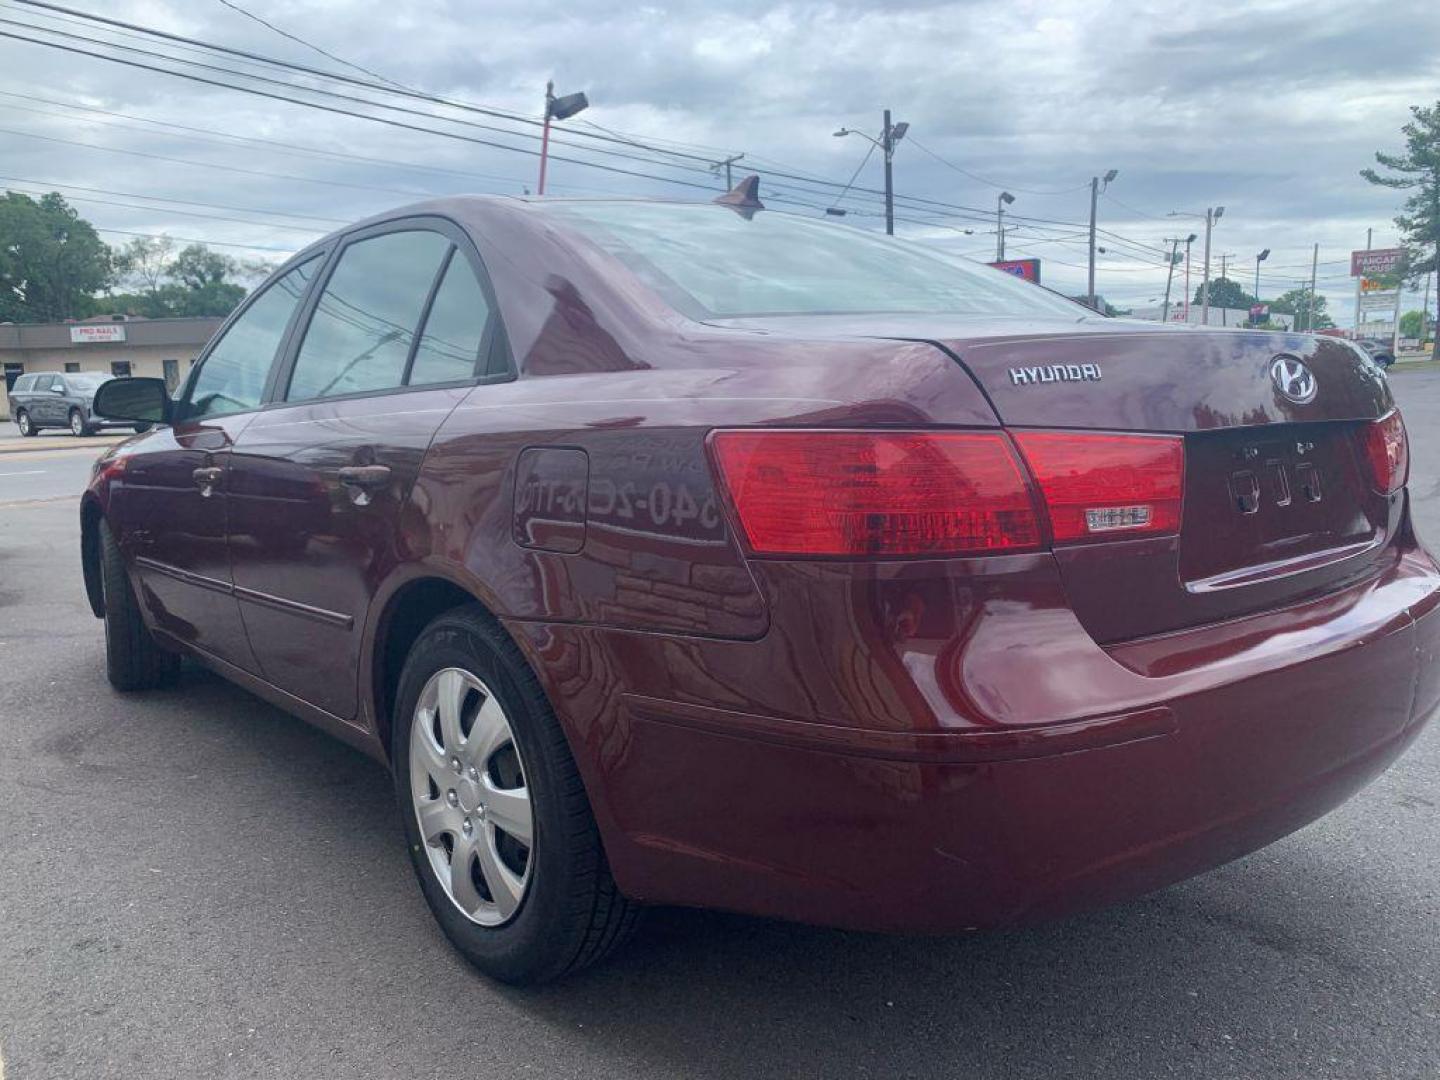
(195, 885)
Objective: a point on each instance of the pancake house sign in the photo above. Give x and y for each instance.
(95, 333)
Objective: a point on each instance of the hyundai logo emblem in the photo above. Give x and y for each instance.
(1293, 379)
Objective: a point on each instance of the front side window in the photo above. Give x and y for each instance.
(449, 348)
(364, 323)
(232, 378)
(710, 262)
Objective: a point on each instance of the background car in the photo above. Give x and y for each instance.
(705, 555)
(1380, 350)
(51, 399)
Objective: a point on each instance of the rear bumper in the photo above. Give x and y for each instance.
(1216, 743)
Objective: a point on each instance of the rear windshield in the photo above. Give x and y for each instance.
(86, 380)
(709, 261)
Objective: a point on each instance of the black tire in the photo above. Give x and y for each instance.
(78, 427)
(571, 915)
(140, 429)
(133, 659)
(25, 424)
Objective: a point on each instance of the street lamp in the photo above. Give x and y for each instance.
(890, 134)
(1005, 199)
(556, 108)
(1097, 185)
(1258, 260)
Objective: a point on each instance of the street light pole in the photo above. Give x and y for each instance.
(556, 108)
(1000, 203)
(1259, 258)
(1096, 187)
(890, 134)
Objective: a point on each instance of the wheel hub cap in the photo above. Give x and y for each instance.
(473, 807)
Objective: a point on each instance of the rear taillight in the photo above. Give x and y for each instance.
(854, 493)
(1100, 486)
(1387, 452)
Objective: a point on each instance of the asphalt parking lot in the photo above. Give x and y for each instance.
(193, 884)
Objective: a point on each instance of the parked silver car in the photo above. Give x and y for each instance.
(49, 399)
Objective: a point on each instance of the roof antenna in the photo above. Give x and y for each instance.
(744, 197)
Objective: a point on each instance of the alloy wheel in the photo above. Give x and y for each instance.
(23, 421)
(468, 786)
(77, 424)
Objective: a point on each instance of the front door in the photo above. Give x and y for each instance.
(173, 502)
(398, 335)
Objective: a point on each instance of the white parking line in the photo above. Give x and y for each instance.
(27, 472)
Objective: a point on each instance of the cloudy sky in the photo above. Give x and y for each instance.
(1269, 109)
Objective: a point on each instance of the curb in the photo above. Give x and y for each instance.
(66, 442)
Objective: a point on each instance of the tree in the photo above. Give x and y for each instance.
(52, 262)
(1412, 324)
(1297, 304)
(199, 285)
(144, 262)
(1225, 293)
(1417, 171)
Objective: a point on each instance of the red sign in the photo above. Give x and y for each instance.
(1027, 269)
(1375, 261)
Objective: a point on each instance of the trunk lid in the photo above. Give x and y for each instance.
(1278, 505)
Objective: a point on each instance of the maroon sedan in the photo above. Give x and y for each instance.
(707, 555)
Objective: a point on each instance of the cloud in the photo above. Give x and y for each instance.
(1269, 109)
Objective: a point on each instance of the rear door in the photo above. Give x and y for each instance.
(45, 402)
(399, 333)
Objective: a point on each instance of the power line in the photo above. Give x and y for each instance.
(158, 198)
(192, 240)
(309, 45)
(991, 183)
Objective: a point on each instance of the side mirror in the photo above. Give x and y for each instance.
(57, 389)
(136, 399)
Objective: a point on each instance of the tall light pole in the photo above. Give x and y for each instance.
(890, 134)
(556, 108)
(1259, 258)
(1005, 199)
(1211, 215)
(1097, 185)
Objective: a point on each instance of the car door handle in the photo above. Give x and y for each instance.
(368, 477)
(361, 480)
(206, 478)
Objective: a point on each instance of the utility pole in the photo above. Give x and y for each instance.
(729, 161)
(1310, 304)
(1212, 215)
(890, 134)
(889, 147)
(1175, 243)
(1000, 203)
(1097, 184)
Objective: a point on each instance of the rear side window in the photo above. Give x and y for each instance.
(232, 378)
(23, 383)
(455, 329)
(364, 323)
